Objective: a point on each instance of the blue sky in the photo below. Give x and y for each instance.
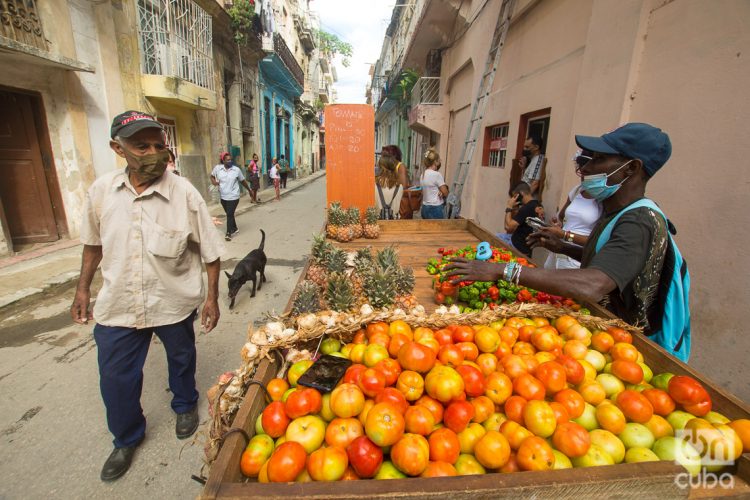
(362, 23)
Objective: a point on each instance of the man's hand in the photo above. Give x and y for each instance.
(546, 237)
(522, 162)
(80, 310)
(512, 201)
(210, 314)
(473, 270)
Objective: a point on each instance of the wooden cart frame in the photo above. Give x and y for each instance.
(418, 240)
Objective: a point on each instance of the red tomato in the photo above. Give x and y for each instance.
(483, 408)
(393, 396)
(552, 375)
(439, 469)
(474, 382)
(499, 387)
(635, 406)
(390, 368)
(574, 372)
(450, 354)
(457, 415)
(365, 457)
(419, 420)
(274, 419)
(411, 454)
(620, 335)
(492, 450)
(571, 439)
(444, 446)
(444, 336)
(416, 357)
(371, 382)
(535, 454)
(286, 462)
(433, 405)
(342, 431)
(686, 390)
(397, 341)
(699, 409)
(572, 401)
(627, 371)
(528, 386)
(470, 350)
(463, 333)
(384, 424)
(410, 384)
(303, 402)
(352, 374)
(661, 401)
(514, 408)
(561, 413)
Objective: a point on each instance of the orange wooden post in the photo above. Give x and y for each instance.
(350, 155)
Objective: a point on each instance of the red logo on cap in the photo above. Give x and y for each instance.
(133, 118)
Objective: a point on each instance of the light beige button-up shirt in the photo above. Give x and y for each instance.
(152, 246)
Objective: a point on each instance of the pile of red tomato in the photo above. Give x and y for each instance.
(515, 395)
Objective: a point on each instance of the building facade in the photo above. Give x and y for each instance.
(69, 66)
(584, 67)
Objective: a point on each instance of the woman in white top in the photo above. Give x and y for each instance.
(275, 175)
(389, 185)
(434, 188)
(579, 216)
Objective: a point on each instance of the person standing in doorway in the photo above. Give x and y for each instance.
(228, 177)
(283, 171)
(150, 230)
(532, 163)
(275, 177)
(253, 175)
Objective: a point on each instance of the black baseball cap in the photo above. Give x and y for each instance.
(633, 140)
(128, 123)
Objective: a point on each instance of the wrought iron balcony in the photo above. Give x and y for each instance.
(281, 50)
(426, 91)
(19, 21)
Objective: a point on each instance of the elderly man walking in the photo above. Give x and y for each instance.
(150, 232)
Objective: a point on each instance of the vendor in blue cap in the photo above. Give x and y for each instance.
(621, 264)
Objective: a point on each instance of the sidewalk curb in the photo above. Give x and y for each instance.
(66, 280)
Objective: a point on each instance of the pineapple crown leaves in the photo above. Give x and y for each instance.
(336, 262)
(340, 292)
(354, 215)
(387, 257)
(306, 299)
(371, 215)
(404, 280)
(321, 248)
(380, 287)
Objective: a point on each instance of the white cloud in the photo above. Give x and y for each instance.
(361, 23)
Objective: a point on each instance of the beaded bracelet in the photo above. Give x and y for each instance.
(517, 275)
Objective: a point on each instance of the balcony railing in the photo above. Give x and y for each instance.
(176, 40)
(281, 49)
(19, 21)
(426, 91)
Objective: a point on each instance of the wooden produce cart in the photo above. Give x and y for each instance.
(417, 241)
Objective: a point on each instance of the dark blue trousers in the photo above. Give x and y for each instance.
(122, 354)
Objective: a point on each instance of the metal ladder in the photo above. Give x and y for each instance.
(453, 202)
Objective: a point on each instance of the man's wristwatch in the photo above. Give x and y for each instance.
(568, 236)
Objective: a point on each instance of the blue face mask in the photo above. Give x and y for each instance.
(596, 185)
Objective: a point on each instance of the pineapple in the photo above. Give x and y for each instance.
(404, 283)
(333, 220)
(363, 262)
(344, 232)
(387, 258)
(336, 262)
(317, 272)
(307, 299)
(339, 292)
(370, 229)
(380, 287)
(355, 221)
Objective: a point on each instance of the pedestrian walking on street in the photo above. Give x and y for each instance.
(150, 231)
(228, 177)
(284, 172)
(275, 175)
(253, 176)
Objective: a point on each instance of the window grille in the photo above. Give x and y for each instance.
(498, 146)
(175, 40)
(170, 131)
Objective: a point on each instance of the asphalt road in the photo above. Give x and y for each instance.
(53, 432)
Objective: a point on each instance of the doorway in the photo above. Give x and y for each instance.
(29, 192)
(533, 123)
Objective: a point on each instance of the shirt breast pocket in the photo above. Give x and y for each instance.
(166, 243)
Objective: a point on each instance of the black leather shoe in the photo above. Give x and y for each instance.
(118, 463)
(187, 423)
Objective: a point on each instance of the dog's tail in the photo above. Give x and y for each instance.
(262, 240)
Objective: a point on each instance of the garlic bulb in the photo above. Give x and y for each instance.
(307, 321)
(249, 352)
(274, 329)
(441, 310)
(287, 332)
(225, 377)
(366, 310)
(454, 309)
(418, 310)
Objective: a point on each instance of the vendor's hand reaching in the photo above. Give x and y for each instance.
(547, 237)
(473, 270)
